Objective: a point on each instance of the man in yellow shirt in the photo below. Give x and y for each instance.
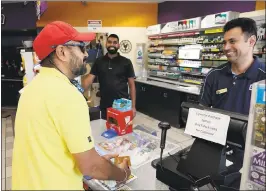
(53, 147)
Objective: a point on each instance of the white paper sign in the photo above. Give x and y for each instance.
(154, 29)
(207, 125)
(94, 25)
(181, 25)
(219, 19)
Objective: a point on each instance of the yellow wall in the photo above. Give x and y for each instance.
(260, 5)
(111, 14)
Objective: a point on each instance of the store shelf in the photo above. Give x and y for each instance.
(202, 66)
(187, 66)
(173, 65)
(191, 81)
(188, 69)
(209, 43)
(189, 59)
(169, 71)
(179, 34)
(193, 74)
(209, 66)
(218, 51)
(214, 60)
(162, 65)
(11, 80)
(176, 82)
(172, 44)
(183, 81)
(154, 56)
(222, 60)
(202, 59)
(154, 51)
(168, 58)
(164, 77)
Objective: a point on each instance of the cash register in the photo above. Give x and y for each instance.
(203, 165)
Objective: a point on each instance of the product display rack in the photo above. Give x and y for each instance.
(165, 61)
(202, 52)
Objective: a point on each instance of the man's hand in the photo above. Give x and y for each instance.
(124, 166)
(134, 111)
(88, 80)
(132, 91)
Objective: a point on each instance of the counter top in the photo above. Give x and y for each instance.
(146, 174)
(178, 86)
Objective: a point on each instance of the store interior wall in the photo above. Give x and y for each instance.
(19, 16)
(127, 20)
(253, 13)
(260, 5)
(19, 25)
(178, 10)
(112, 14)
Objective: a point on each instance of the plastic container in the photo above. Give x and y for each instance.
(122, 104)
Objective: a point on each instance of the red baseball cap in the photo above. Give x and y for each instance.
(57, 33)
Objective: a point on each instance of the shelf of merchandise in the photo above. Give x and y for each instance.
(165, 42)
(203, 66)
(173, 61)
(204, 43)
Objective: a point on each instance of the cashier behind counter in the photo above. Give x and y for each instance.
(229, 86)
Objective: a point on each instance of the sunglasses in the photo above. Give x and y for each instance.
(83, 47)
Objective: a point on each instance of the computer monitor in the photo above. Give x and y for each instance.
(236, 134)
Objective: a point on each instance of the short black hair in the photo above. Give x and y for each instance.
(247, 25)
(113, 36)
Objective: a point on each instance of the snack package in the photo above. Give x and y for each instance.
(122, 104)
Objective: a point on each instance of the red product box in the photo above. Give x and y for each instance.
(119, 121)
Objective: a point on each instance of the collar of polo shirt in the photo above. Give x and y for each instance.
(251, 72)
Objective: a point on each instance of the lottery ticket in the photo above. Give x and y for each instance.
(113, 185)
(125, 187)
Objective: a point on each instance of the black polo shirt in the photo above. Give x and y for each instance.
(113, 77)
(224, 90)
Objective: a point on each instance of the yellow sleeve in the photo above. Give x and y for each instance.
(74, 126)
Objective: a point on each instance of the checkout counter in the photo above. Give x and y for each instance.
(172, 174)
(146, 174)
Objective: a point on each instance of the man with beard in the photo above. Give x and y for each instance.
(115, 74)
(54, 147)
(229, 86)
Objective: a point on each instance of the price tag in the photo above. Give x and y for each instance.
(215, 50)
(192, 81)
(207, 125)
(211, 31)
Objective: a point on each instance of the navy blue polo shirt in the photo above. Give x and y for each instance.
(224, 90)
